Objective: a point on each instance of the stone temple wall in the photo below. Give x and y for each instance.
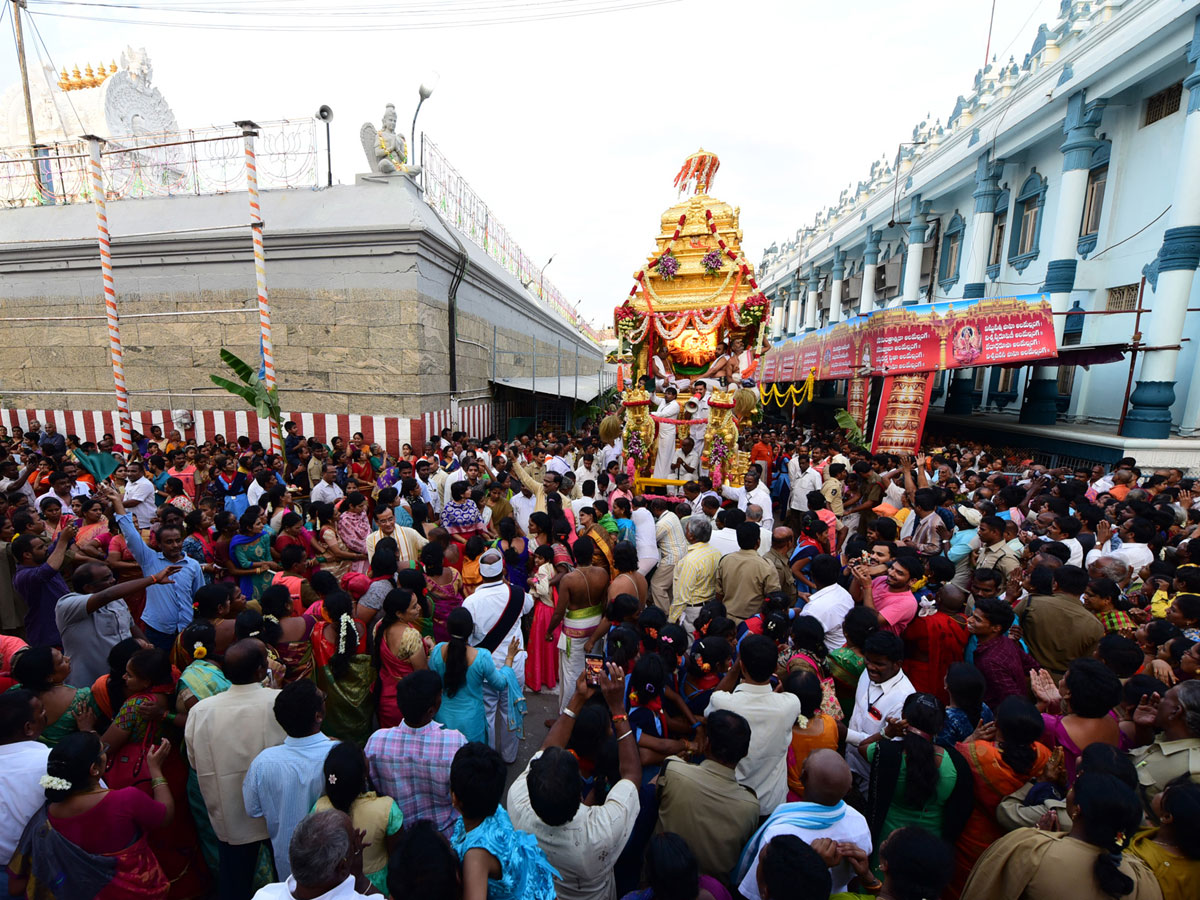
(358, 278)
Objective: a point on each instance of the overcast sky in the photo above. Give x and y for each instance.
(572, 130)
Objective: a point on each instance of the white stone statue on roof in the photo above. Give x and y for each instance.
(386, 149)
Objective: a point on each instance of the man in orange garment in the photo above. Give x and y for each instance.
(762, 453)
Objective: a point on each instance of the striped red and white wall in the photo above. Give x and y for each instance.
(390, 431)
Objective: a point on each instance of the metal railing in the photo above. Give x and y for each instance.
(163, 164)
(448, 192)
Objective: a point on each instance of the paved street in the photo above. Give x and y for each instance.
(541, 707)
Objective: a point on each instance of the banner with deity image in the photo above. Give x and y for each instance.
(923, 338)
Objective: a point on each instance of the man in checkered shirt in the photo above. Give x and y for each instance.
(411, 762)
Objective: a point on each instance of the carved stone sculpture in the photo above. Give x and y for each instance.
(386, 150)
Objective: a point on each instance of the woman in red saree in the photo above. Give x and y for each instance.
(295, 534)
(934, 642)
(360, 468)
(150, 683)
(89, 840)
(999, 766)
(398, 648)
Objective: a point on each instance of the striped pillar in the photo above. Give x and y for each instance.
(124, 433)
(249, 133)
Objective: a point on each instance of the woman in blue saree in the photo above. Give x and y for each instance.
(250, 552)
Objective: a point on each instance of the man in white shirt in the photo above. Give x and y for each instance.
(685, 465)
(581, 842)
(322, 852)
(523, 504)
(587, 496)
(22, 764)
(645, 537)
(139, 495)
(259, 486)
(15, 479)
(701, 413)
(830, 602)
(587, 469)
(724, 537)
(247, 710)
(754, 513)
(1134, 551)
(770, 714)
(555, 461)
(429, 491)
(803, 478)
(611, 452)
(824, 813)
(1065, 529)
(327, 490)
(753, 491)
(882, 689)
(493, 604)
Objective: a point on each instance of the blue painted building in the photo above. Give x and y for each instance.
(1073, 171)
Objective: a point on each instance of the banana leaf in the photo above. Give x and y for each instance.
(853, 432)
(233, 387)
(264, 401)
(240, 368)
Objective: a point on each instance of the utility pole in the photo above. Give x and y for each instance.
(16, 11)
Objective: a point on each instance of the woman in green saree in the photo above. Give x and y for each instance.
(344, 670)
(202, 678)
(45, 670)
(250, 552)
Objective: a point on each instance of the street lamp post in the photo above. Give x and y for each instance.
(425, 92)
(542, 277)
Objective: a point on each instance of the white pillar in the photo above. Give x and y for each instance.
(916, 250)
(866, 302)
(1150, 410)
(987, 189)
(778, 313)
(1079, 126)
(811, 318)
(794, 306)
(837, 283)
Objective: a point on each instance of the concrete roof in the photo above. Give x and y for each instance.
(589, 386)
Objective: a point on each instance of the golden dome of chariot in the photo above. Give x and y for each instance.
(696, 288)
(703, 236)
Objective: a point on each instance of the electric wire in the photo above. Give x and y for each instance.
(272, 7)
(366, 20)
(38, 33)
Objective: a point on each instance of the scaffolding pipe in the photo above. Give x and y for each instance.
(181, 312)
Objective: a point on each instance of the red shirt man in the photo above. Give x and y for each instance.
(761, 453)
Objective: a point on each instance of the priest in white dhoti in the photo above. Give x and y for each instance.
(664, 371)
(666, 434)
(701, 414)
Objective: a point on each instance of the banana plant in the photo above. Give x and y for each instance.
(254, 391)
(853, 432)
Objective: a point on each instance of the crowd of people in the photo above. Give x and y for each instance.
(229, 673)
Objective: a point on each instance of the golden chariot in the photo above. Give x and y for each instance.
(695, 313)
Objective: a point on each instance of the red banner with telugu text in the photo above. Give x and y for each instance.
(922, 338)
